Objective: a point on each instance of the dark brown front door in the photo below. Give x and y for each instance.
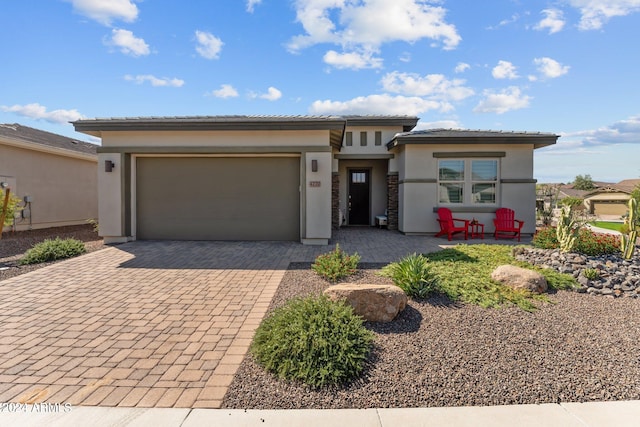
(359, 191)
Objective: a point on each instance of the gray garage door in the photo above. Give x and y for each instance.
(204, 198)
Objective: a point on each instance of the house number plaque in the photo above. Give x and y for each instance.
(314, 183)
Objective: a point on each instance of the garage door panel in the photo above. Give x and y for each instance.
(218, 198)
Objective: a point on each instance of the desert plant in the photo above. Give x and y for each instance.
(313, 340)
(336, 264)
(567, 230)
(51, 250)
(413, 275)
(591, 273)
(587, 242)
(628, 240)
(13, 207)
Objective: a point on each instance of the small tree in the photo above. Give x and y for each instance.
(628, 239)
(12, 208)
(583, 182)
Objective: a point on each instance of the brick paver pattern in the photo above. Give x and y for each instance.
(152, 324)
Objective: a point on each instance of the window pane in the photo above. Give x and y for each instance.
(451, 193)
(349, 138)
(484, 170)
(358, 177)
(363, 139)
(451, 170)
(378, 137)
(483, 193)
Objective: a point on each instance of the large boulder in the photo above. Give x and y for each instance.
(520, 278)
(375, 303)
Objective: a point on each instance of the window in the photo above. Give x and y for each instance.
(363, 139)
(358, 177)
(378, 137)
(467, 181)
(349, 139)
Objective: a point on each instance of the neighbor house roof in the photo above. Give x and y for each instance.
(464, 136)
(30, 138)
(628, 185)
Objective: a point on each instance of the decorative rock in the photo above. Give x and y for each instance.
(520, 278)
(375, 303)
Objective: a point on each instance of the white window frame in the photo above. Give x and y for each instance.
(467, 182)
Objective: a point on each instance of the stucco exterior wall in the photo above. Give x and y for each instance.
(116, 186)
(418, 190)
(63, 189)
(387, 133)
(215, 138)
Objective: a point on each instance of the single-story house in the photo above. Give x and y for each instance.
(54, 176)
(606, 199)
(299, 177)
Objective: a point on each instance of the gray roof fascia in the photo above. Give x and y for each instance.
(538, 140)
(97, 126)
(407, 122)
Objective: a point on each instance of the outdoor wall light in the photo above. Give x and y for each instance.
(108, 166)
(4, 185)
(314, 165)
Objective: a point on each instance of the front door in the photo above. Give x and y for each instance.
(359, 193)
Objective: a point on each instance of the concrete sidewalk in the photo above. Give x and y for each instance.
(594, 414)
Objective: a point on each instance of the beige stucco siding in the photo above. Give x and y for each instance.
(418, 190)
(215, 138)
(63, 189)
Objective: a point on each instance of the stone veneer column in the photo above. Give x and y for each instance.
(392, 201)
(335, 200)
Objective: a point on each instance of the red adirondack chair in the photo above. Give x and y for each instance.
(506, 225)
(448, 224)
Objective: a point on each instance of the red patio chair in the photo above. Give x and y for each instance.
(506, 225)
(448, 224)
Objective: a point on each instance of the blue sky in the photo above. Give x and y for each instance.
(568, 67)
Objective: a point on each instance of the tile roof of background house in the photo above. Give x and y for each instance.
(18, 132)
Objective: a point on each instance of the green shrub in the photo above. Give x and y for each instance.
(313, 340)
(587, 242)
(591, 273)
(413, 275)
(13, 207)
(51, 250)
(336, 264)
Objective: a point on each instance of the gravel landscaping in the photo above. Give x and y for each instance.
(578, 348)
(14, 245)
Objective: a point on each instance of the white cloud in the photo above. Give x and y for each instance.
(154, 81)
(439, 124)
(39, 112)
(209, 46)
(504, 70)
(550, 68)
(376, 104)
(435, 86)
(225, 91)
(352, 60)
(461, 67)
(105, 12)
(505, 22)
(366, 25)
(621, 132)
(251, 4)
(595, 13)
(128, 43)
(272, 94)
(405, 57)
(508, 99)
(553, 21)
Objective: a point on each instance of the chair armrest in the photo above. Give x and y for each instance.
(466, 221)
(520, 223)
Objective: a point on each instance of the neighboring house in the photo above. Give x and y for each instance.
(297, 178)
(606, 199)
(54, 176)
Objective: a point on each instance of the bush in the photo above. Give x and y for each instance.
(336, 264)
(51, 250)
(313, 340)
(413, 275)
(591, 273)
(587, 242)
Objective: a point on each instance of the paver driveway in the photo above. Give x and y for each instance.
(151, 324)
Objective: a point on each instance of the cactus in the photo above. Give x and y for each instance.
(628, 240)
(567, 230)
